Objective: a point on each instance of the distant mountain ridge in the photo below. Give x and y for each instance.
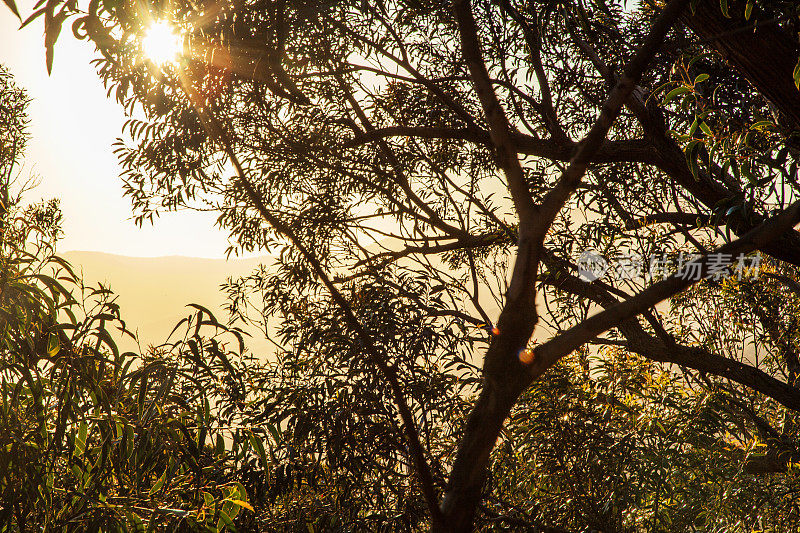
(153, 292)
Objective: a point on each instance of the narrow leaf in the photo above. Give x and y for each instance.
(748, 9)
(160, 483)
(674, 93)
(796, 74)
(13, 7)
(240, 503)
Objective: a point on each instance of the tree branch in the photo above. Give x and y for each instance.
(388, 371)
(499, 127)
(504, 375)
(548, 353)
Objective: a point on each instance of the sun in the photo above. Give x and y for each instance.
(161, 43)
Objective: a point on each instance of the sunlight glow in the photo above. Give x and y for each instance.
(161, 43)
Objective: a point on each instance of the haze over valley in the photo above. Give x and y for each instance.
(153, 292)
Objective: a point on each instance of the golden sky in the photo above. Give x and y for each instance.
(73, 125)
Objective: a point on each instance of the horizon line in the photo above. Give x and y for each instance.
(171, 256)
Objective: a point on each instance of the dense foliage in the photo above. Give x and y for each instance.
(93, 439)
(416, 171)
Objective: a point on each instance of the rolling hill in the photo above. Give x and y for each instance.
(153, 292)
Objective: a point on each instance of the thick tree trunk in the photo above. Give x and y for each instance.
(500, 395)
(505, 376)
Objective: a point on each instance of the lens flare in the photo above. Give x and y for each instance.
(161, 43)
(526, 356)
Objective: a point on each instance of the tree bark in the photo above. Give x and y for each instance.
(505, 376)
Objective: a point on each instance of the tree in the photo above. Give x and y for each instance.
(94, 439)
(12, 136)
(448, 164)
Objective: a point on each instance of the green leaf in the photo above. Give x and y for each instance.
(129, 440)
(242, 492)
(762, 124)
(696, 58)
(796, 74)
(224, 520)
(80, 438)
(53, 346)
(748, 9)
(208, 499)
(258, 446)
(747, 172)
(243, 504)
(693, 127)
(273, 430)
(691, 153)
(723, 4)
(231, 509)
(674, 93)
(159, 483)
(701, 78)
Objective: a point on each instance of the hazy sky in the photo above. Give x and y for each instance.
(73, 125)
